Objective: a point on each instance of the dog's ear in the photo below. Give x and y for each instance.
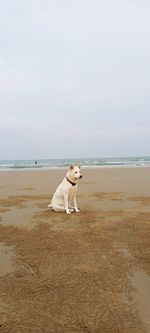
(79, 166)
(71, 167)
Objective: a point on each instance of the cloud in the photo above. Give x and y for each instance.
(3, 67)
(10, 122)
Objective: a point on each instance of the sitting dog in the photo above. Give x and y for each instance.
(65, 194)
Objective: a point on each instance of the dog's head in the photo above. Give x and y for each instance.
(75, 172)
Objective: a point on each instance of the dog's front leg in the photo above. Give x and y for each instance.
(66, 204)
(75, 205)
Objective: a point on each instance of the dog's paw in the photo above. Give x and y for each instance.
(68, 211)
(72, 210)
(77, 210)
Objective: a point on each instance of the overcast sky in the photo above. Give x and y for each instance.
(74, 78)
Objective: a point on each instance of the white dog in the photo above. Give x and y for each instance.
(65, 194)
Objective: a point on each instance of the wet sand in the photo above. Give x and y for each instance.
(86, 272)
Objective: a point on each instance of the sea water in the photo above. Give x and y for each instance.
(64, 163)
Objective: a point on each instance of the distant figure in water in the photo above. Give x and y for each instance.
(35, 162)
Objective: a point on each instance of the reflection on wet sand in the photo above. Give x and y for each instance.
(141, 296)
(6, 264)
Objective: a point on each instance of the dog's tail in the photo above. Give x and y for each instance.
(50, 206)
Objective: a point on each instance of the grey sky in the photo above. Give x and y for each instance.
(74, 78)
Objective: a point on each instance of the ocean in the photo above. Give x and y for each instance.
(46, 164)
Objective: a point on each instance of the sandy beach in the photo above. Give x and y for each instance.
(83, 272)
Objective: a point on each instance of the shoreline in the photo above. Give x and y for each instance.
(83, 168)
(88, 163)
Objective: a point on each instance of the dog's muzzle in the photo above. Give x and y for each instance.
(80, 176)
